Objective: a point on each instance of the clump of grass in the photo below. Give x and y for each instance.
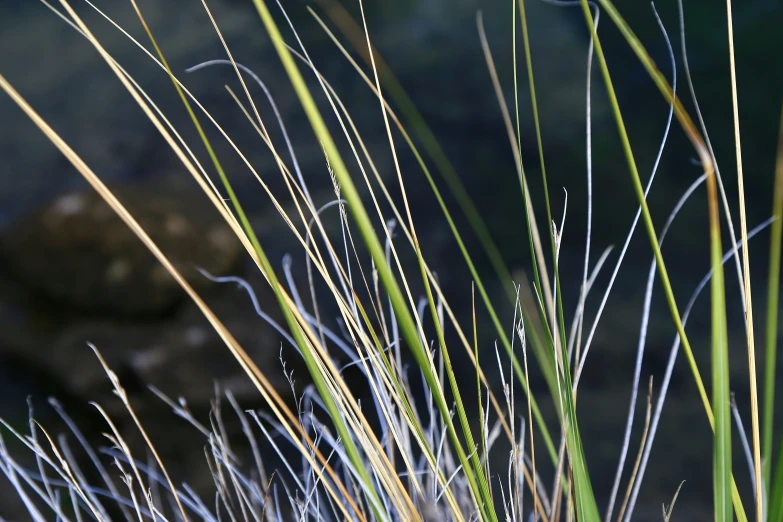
(404, 457)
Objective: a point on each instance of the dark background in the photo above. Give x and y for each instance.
(152, 336)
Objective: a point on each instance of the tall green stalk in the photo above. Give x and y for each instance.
(774, 485)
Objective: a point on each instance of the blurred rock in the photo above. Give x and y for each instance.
(78, 252)
(182, 356)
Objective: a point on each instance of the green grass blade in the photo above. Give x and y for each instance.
(775, 499)
(773, 291)
(720, 369)
(774, 493)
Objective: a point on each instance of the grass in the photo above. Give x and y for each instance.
(408, 458)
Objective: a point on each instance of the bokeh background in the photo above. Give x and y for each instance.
(63, 283)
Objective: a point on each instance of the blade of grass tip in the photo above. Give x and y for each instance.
(359, 213)
(635, 471)
(415, 121)
(754, 398)
(775, 491)
(667, 513)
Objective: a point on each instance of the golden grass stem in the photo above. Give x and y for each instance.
(749, 328)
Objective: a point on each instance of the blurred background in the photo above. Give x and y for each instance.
(71, 273)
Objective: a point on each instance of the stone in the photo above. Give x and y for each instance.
(102, 266)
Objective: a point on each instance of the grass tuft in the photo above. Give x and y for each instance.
(395, 453)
